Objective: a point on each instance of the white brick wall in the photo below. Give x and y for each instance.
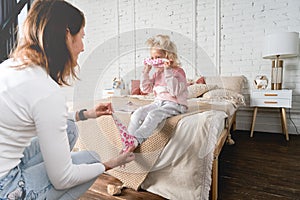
(244, 25)
(241, 28)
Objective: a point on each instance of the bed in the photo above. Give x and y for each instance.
(180, 160)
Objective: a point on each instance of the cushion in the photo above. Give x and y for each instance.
(135, 87)
(225, 94)
(234, 83)
(197, 90)
(200, 80)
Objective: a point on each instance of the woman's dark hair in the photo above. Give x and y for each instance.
(44, 38)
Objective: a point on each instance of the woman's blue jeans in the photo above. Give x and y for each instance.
(29, 179)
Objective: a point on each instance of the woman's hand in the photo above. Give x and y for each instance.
(99, 110)
(103, 109)
(120, 160)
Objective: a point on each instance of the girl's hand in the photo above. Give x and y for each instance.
(168, 64)
(147, 68)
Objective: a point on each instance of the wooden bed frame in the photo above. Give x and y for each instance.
(224, 137)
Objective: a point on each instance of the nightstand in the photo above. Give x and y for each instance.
(272, 99)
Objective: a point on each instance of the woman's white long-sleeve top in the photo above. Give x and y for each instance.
(32, 104)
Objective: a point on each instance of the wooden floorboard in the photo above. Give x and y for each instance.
(265, 167)
(99, 191)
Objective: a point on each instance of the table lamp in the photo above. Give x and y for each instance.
(277, 46)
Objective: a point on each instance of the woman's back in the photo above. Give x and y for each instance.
(20, 90)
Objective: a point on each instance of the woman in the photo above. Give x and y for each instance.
(36, 133)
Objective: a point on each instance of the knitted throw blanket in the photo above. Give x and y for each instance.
(134, 173)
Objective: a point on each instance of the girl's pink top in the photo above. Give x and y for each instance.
(170, 84)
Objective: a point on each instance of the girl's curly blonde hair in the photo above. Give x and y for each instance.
(163, 43)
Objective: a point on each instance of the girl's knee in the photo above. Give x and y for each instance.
(154, 113)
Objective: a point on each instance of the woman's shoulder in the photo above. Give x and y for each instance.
(14, 74)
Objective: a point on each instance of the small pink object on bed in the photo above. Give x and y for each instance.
(158, 62)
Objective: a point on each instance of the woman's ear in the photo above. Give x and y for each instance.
(68, 37)
(68, 33)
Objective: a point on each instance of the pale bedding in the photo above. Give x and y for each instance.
(214, 104)
(183, 169)
(201, 128)
(227, 106)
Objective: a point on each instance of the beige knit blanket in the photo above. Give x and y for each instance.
(134, 173)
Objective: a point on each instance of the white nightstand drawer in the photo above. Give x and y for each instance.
(271, 98)
(278, 94)
(271, 102)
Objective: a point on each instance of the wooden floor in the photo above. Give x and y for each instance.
(265, 167)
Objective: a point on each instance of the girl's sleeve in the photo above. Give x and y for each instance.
(176, 81)
(147, 83)
(50, 117)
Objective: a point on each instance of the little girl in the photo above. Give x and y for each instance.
(169, 85)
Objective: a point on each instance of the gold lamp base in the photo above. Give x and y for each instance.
(277, 71)
(276, 86)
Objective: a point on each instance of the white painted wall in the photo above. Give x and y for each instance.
(213, 37)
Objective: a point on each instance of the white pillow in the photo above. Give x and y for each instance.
(197, 90)
(234, 83)
(224, 94)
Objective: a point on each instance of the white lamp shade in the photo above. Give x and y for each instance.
(283, 44)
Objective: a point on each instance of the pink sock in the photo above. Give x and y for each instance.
(127, 139)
